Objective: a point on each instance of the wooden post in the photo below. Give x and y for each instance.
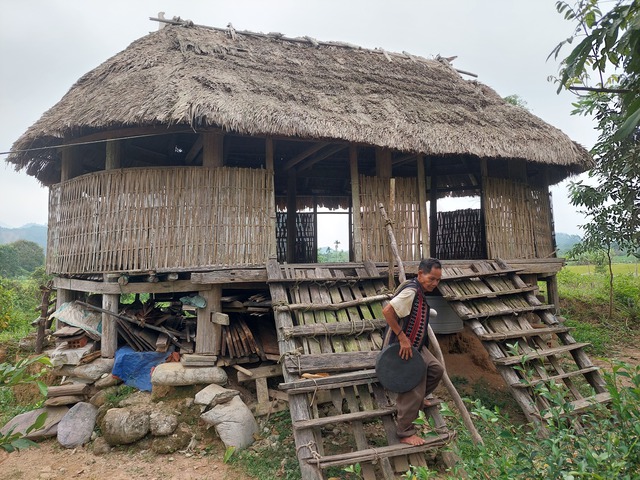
(113, 155)
(484, 173)
(270, 166)
(433, 215)
(553, 297)
(383, 162)
(355, 202)
(213, 149)
(292, 208)
(70, 166)
(209, 334)
(422, 198)
(109, 342)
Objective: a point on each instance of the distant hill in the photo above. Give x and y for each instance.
(31, 232)
(565, 242)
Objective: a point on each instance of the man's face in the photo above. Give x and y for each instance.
(429, 281)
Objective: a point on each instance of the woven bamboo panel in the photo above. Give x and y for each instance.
(160, 218)
(405, 215)
(459, 235)
(518, 220)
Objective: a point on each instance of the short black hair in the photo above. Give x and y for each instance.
(427, 264)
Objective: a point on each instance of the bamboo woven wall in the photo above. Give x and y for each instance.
(518, 220)
(405, 216)
(160, 219)
(459, 235)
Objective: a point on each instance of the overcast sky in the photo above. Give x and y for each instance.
(46, 45)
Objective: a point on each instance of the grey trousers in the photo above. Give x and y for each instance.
(410, 403)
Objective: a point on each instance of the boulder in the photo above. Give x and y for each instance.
(162, 423)
(175, 374)
(100, 398)
(178, 440)
(233, 422)
(107, 380)
(91, 371)
(22, 422)
(121, 426)
(213, 395)
(76, 426)
(64, 400)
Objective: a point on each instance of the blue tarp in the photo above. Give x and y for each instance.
(134, 368)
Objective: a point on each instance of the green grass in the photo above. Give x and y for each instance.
(618, 269)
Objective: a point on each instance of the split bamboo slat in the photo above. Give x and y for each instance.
(517, 211)
(342, 343)
(160, 218)
(405, 214)
(526, 342)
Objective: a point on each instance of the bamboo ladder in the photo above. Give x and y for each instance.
(525, 340)
(329, 321)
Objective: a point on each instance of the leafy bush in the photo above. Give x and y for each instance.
(611, 449)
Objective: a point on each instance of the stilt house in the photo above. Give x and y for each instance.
(198, 160)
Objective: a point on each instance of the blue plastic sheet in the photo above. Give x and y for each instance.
(134, 368)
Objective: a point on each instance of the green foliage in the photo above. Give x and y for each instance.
(610, 450)
(19, 374)
(610, 48)
(327, 255)
(228, 453)
(122, 392)
(18, 301)
(516, 100)
(20, 258)
(355, 470)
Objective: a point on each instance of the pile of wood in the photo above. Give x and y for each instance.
(257, 304)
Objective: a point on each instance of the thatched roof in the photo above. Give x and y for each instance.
(268, 85)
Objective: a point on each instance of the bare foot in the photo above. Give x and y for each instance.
(414, 440)
(431, 402)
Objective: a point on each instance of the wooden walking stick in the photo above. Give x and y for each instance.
(457, 400)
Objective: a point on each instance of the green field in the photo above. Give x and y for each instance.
(618, 269)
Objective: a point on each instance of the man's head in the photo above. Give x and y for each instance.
(429, 274)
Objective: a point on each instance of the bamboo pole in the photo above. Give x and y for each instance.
(457, 400)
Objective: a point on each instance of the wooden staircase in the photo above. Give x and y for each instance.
(525, 340)
(329, 321)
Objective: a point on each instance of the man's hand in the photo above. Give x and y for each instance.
(406, 352)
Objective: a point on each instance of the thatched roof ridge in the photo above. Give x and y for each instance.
(266, 85)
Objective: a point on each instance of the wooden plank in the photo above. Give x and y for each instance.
(537, 354)
(345, 417)
(71, 389)
(330, 362)
(109, 341)
(239, 275)
(507, 311)
(493, 294)
(533, 383)
(466, 276)
(343, 327)
(498, 336)
(331, 279)
(332, 381)
(265, 371)
(307, 306)
(208, 333)
(585, 403)
(115, 288)
(357, 428)
(382, 452)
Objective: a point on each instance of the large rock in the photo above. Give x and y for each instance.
(91, 371)
(234, 423)
(178, 440)
(162, 423)
(76, 426)
(175, 374)
(213, 395)
(22, 422)
(121, 426)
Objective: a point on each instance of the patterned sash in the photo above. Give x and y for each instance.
(415, 324)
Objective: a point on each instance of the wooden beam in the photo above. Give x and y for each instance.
(132, 287)
(422, 199)
(383, 162)
(195, 149)
(109, 341)
(292, 208)
(269, 161)
(113, 159)
(433, 215)
(305, 154)
(213, 149)
(208, 334)
(355, 201)
(69, 167)
(321, 156)
(230, 276)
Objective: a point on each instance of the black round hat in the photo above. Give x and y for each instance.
(396, 374)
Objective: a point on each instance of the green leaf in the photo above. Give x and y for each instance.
(228, 453)
(627, 127)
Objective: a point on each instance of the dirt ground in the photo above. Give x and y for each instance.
(52, 462)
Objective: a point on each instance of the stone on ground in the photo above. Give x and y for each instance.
(76, 426)
(175, 374)
(122, 426)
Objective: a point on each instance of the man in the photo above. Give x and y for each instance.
(407, 315)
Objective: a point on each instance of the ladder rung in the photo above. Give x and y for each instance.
(538, 381)
(372, 454)
(532, 332)
(585, 403)
(538, 354)
(342, 418)
(507, 311)
(492, 294)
